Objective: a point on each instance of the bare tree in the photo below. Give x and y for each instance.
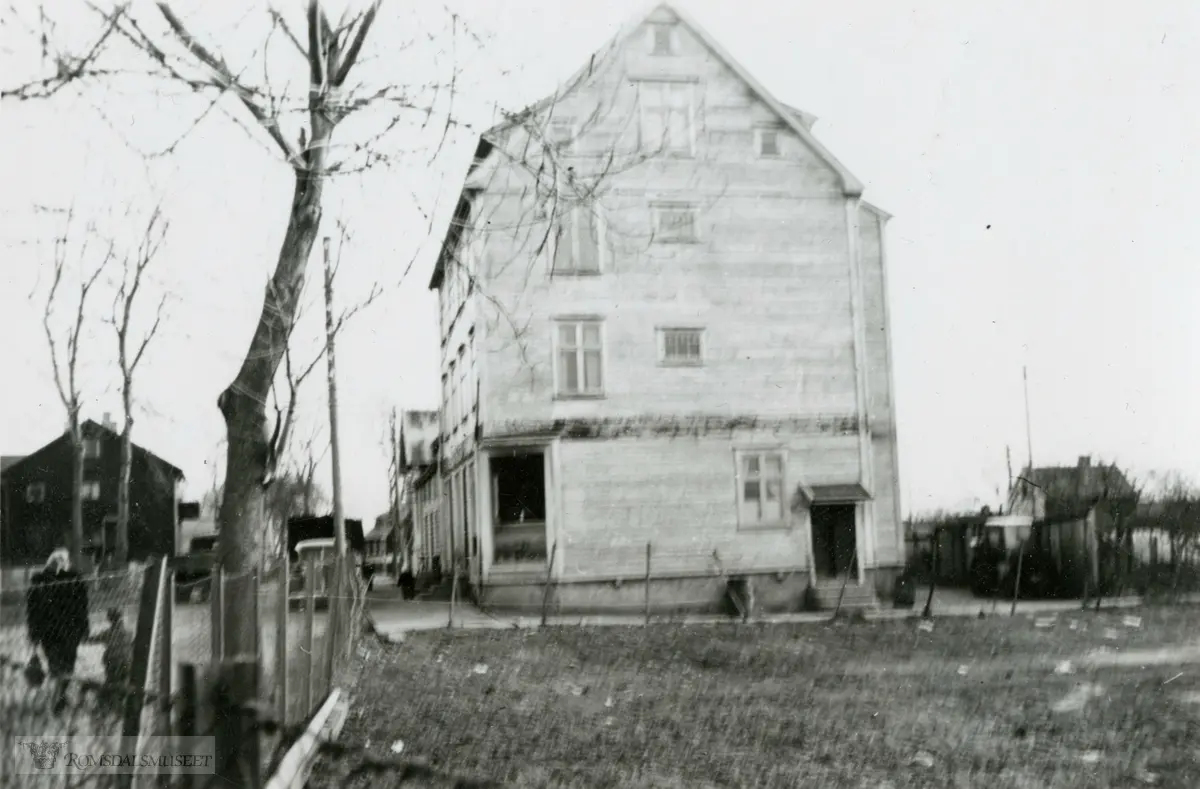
(130, 351)
(65, 357)
(165, 42)
(298, 125)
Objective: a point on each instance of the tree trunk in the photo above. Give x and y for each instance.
(244, 403)
(75, 539)
(121, 549)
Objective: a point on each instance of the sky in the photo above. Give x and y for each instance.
(1037, 159)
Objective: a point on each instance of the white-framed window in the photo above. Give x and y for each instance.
(91, 448)
(90, 491)
(579, 365)
(663, 39)
(681, 346)
(760, 488)
(674, 222)
(766, 141)
(35, 493)
(667, 115)
(580, 241)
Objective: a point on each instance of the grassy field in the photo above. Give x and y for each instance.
(971, 703)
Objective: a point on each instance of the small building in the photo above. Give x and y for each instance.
(35, 500)
(1080, 514)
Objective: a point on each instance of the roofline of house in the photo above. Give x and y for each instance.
(794, 118)
(175, 470)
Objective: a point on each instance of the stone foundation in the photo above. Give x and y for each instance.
(773, 593)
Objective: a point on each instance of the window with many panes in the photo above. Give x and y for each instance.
(674, 222)
(579, 241)
(681, 346)
(760, 483)
(580, 358)
(667, 116)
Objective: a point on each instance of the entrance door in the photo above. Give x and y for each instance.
(834, 540)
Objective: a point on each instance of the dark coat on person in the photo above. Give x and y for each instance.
(57, 616)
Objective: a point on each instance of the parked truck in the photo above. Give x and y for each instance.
(194, 569)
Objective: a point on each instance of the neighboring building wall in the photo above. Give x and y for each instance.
(36, 528)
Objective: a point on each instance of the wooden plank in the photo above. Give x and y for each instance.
(189, 711)
(143, 640)
(310, 659)
(153, 581)
(234, 696)
(216, 594)
(325, 726)
(281, 640)
(166, 655)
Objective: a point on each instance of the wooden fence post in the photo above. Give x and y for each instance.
(216, 596)
(281, 640)
(647, 589)
(453, 591)
(190, 711)
(1017, 580)
(546, 588)
(149, 627)
(234, 694)
(166, 683)
(310, 658)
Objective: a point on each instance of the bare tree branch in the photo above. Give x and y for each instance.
(227, 81)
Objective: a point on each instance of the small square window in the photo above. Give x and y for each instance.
(35, 493)
(674, 223)
(90, 491)
(662, 40)
(91, 448)
(681, 347)
(768, 142)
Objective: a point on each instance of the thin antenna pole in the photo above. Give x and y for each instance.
(1028, 428)
(1008, 462)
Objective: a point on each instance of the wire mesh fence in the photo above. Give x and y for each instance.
(66, 644)
(96, 665)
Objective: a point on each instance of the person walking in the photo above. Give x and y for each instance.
(57, 618)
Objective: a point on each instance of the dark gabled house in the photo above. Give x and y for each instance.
(35, 500)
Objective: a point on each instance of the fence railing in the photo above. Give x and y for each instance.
(140, 650)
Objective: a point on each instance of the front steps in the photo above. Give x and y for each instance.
(857, 595)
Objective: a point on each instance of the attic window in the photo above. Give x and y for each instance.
(91, 448)
(662, 40)
(768, 142)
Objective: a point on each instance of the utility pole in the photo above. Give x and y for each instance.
(339, 517)
(339, 612)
